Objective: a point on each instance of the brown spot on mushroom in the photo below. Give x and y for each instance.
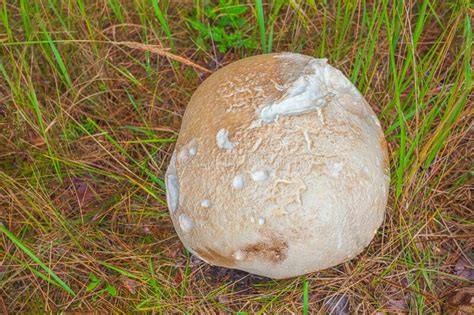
(383, 145)
(274, 250)
(214, 257)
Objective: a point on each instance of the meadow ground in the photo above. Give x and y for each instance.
(91, 98)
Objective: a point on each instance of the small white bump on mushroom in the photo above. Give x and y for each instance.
(239, 255)
(206, 203)
(222, 138)
(185, 223)
(252, 220)
(193, 151)
(188, 151)
(172, 192)
(336, 168)
(261, 221)
(365, 170)
(375, 120)
(172, 185)
(260, 175)
(238, 182)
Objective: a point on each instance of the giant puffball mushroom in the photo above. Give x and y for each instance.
(280, 168)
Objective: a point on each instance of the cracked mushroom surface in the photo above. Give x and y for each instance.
(280, 168)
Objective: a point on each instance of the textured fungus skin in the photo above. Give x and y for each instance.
(310, 157)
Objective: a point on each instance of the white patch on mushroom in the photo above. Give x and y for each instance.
(192, 151)
(336, 168)
(172, 192)
(239, 255)
(222, 138)
(311, 91)
(260, 175)
(238, 182)
(206, 203)
(185, 223)
(308, 139)
(315, 88)
(365, 170)
(172, 185)
(261, 221)
(296, 102)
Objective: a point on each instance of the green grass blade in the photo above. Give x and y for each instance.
(261, 25)
(393, 30)
(57, 56)
(5, 21)
(275, 12)
(117, 9)
(305, 297)
(164, 24)
(27, 251)
(37, 109)
(25, 17)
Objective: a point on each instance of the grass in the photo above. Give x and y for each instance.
(91, 99)
(261, 26)
(55, 281)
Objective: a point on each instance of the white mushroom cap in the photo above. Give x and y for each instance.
(280, 168)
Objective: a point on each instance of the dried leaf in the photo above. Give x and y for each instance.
(173, 251)
(223, 299)
(130, 284)
(462, 301)
(397, 299)
(464, 269)
(84, 193)
(398, 306)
